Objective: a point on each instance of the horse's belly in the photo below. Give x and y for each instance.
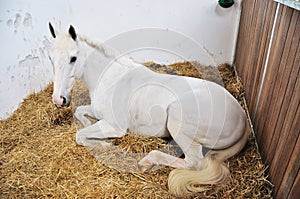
(156, 130)
(150, 121)
(148, 110)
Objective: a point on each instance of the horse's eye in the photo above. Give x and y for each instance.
(73, 60)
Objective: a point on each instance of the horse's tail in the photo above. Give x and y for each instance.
(213, 170)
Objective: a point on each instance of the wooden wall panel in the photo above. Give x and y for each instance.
(273, 99)
(290, 185)
(275, 84)
(295, 191)
(254, 35)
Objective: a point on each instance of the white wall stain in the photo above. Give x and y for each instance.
(29, 61)
(9, 23)
(27, 20)
(17, 20)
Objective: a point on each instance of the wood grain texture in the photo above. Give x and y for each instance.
(289, 182)
(277, 119)
(295, 191)
(273, 75)
(254, 35)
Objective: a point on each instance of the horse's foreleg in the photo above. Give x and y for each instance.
(159, 158)
(81, 113)
(97, 132)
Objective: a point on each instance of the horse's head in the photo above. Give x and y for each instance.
(63, 55)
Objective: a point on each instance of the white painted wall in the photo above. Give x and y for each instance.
(24, 35)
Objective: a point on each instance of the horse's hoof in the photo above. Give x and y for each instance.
(79, 141)
(145, 169)
(145, 166)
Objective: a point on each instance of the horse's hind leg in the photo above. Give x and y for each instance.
(193, 157)
(192, 150)
(159, 158)
(184, 129)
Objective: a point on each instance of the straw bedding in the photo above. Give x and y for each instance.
(40, 159)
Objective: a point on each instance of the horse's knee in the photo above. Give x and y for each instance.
(151, 157)
(80, 113)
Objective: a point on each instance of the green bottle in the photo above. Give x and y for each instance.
(226, 3)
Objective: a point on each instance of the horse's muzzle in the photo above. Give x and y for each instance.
(65, 102)
(62, 102)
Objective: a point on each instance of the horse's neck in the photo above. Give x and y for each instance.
(99, 58)
(92, 69)
(108, 51)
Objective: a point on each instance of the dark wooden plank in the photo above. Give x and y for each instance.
(245, 34)
(243, 40)
(292, 169)
(255, 32)
(289, 131)
(260, 53)
(295, 191)
(260, 114)
(254, 36)
(287, 75)
(245, 37)
(284, 174)
(270, 80)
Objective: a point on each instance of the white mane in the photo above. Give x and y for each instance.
(107, 51)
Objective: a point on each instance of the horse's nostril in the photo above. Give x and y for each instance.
(64, 102)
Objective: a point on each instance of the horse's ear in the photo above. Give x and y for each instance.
(72, 32)
(52, 30)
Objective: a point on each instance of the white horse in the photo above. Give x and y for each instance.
(125, 95)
